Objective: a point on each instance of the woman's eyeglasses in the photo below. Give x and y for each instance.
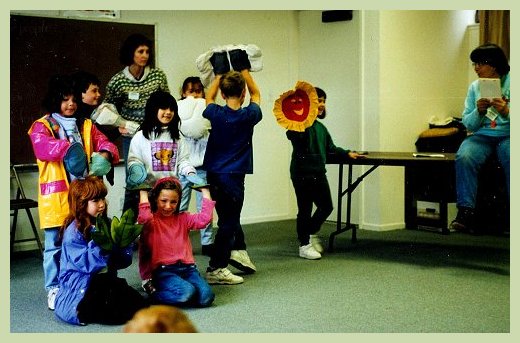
(480, 64)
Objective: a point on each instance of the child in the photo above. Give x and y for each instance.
(157, 150)
(88, 89)
(228, 158)
(89, 289)
(311, 186)
(195, 130)
(165, 251)
(62, 145)
(160, 319)
(88, 92)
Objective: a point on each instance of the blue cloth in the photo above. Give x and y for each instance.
(75, 160)
(181, 284)
(478, 146)
(51, 258)
(99, 165)
(472, 154)
(206, 234)
(80, 260)
(136, 174)
(230, 143)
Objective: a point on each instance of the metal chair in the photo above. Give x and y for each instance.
(22, 203)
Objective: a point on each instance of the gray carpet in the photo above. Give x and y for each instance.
(401, 281)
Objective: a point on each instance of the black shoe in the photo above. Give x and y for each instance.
(207, 249)
(464, 222)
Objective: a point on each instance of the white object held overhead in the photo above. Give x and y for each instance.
(206, 69)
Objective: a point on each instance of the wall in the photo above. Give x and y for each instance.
(383, 82)
(421, 71)
(333, 64)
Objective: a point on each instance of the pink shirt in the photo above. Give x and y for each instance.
(165, 240)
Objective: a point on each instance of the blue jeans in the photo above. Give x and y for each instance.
(181, 284)
(206, 233)
(311, 190)
(51, 258)
(227, 190)
(472, 154)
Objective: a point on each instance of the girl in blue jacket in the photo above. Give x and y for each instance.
(89, 289)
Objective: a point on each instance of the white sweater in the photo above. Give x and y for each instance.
(161, 156)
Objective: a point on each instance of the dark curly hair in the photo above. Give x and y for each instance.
(130, 45)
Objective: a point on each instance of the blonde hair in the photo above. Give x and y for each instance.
(159, 318)
(232, 84)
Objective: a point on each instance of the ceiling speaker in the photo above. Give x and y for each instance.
(331, 16)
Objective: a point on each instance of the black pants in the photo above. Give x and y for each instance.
(109, 300)
(311, 190)
(228, 192)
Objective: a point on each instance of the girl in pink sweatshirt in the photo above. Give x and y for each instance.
(166, 261)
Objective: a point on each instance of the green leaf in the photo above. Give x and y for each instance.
(101, 234)
(126, 230)
(114, 230)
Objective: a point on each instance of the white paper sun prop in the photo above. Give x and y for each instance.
(297, 109)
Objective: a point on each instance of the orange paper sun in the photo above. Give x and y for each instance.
(297, 109)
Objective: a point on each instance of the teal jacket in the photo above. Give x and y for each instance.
(310, 150)
(481, 125)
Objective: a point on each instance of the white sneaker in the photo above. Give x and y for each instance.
(240, 260)
(316, 243)
(308, 252)
(51, 297)
(222, 276)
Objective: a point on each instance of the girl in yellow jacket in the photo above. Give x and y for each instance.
(66, 148)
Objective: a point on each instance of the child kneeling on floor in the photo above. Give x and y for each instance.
(166, 261)
(89, 289)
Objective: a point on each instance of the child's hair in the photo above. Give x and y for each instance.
(159, 318)
(130, 45)
(160, 100)
(194, 80)
(82, 80)
(232, 84)
(81, 191)
(493, 55)
(164, 183)
(321, 94)
(60, 87)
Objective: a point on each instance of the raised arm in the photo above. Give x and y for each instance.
(254, 91)
(211, 94)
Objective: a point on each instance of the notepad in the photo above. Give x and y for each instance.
(490, 88)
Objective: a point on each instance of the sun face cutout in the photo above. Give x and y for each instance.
(297, 109)
(296, 106)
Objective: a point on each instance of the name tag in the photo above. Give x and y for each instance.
(491, 115)
(133, 95)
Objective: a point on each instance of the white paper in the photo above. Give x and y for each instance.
(428, 155)
(490, 88)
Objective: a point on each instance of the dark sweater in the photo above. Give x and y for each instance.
(310, 150)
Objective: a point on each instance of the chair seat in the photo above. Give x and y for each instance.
(20, 204)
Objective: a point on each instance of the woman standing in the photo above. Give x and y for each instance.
(130, 89)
